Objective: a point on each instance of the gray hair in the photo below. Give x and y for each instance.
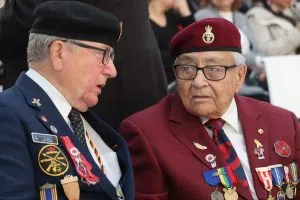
(239, 59)
(38, 46)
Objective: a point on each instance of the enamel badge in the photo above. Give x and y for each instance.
(282, 148)
(52, 161)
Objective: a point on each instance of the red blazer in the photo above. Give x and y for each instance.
(167, 165)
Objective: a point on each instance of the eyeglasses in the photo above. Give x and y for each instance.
(212, 72)
(107, 54)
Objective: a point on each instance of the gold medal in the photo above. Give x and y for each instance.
(71, 187)
(270, 197)
(230, 193)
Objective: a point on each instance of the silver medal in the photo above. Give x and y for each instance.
(280, 195)
(216, 195)
(289, 191)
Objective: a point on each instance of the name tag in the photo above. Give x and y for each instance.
(44, 138)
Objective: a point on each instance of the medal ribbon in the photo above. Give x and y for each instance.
(287, 174)
(277, 174)
(227, 176)
(293, 167)
(265, 176)
(82, 166)
(211, 177)
(48, 193)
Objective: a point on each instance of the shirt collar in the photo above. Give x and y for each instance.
(56, 97)
(230, 116)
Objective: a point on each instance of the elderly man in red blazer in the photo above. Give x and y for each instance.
(204, 141)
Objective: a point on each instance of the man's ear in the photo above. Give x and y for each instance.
(56, 54)
(241, 75)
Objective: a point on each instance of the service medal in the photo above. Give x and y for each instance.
(216, 195)
(231, 194)
(289, 191)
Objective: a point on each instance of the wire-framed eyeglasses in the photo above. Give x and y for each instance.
(211, 72)
(107, 53)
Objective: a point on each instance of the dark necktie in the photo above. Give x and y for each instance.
(77, 125)
(227, 149)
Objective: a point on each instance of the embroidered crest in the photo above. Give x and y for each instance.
(52, 161)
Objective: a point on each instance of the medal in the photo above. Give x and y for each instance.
(82, 166)
(48, 192)
(289, 191)
(259, 150)
(216, 195)
(265, 177)
(71, 187)
(277, 176)
(294, 167)
(211, 177)
(227, 179)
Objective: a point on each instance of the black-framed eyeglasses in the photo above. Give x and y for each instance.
(211, 72)
(107, 53)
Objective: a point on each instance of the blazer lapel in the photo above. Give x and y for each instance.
(254, 129)
(116, 143)
(189, 130)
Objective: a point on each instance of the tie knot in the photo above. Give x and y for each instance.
(74, 115)
(215, 124)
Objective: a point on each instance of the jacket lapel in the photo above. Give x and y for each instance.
(254, 129)
(189, 130)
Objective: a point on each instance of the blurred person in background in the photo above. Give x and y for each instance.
(228, 9)
(276, 27)
(167, 17)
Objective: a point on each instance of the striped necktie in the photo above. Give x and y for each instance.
(226, 148)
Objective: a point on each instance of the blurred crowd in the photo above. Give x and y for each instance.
(267, 28)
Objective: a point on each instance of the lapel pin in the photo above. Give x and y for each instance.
(282, 148)
(36, 101)
(211, 159)
(259, 151)
(199, 146)
(43, 118)
(260, 131)
(53, 129)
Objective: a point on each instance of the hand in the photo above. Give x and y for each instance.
(182, 7)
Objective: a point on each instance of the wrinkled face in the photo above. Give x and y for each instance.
(283, 4)
(206, 98)
(223, 5)
(83, 75)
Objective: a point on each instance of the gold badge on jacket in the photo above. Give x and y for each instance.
(52, 160)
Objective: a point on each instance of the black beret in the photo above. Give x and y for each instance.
(76, 20)
(209, 34)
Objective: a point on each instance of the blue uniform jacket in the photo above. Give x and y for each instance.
(25, 109)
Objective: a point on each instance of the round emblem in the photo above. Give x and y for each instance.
(208, 37)
(52, 161)
(282, 148)
(210, 158)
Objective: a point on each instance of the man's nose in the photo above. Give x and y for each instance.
(200, 80)
(110, 70)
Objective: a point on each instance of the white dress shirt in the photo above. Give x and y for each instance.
(234, 132)
(108, 156)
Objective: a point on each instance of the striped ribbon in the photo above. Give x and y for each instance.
(96, 152)
(48, 193)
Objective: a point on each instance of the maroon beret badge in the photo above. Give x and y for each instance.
(282, 148)
(208, 37)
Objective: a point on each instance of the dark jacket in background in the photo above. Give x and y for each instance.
(141, 81)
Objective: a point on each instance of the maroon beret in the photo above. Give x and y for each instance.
(210, 34)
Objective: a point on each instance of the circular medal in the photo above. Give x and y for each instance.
(280, 195)
(52, 161)
(289, 191)
(282, 148)
(270, 197)
(216, 195)
(230, 194)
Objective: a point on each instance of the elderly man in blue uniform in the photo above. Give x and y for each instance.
(205, 142)
(52, 147)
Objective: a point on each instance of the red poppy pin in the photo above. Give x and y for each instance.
(282, 148)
